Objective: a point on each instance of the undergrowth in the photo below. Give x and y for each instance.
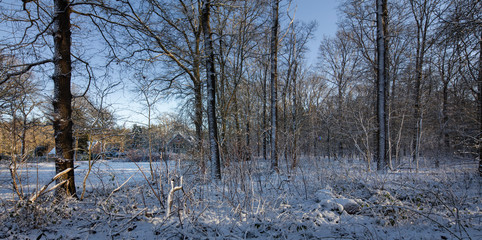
(253, 202)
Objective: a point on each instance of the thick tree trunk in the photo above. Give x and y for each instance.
(62, 102)
(382, 68)
(274, 83)
(211, 93)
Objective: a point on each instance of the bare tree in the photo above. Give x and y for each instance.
(62, 99)
(274, 83)
(150, 95)
(166, 34)
(59, 24)
(382, 71)
(17, 104)
(423, 13)
(339, 62)
(293, 50)
(462, 28)
(360, 25)
(93, 122)
(211, 91)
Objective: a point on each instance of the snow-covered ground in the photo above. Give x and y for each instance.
(320, 199)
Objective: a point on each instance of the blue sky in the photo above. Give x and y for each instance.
(325, 13)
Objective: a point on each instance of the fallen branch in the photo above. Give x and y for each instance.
(42, 190)
(119, 188)
(123, 226)
(56, 186)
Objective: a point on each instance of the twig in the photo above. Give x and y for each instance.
(134, 217)
(429, 218)
(149, 183)
(123, 226)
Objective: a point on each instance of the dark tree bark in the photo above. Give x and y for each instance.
(62, 101)
(198, 118)
(382, 67)
(294, 119)
(198, 100)
(211, 92)
(421, 11)
(248, 149)
(274, 83)
(265, 120)
(480, 105)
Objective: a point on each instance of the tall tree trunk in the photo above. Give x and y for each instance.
(480, 104)
(211, 93)
(62, 102)
(382, 67)
(248, 149)
(422, 19)
(328, 142)
(237, 129)
(149, 139)
(198, 104)
(24, 136)
(198, 117)
(265, 120)
(294, 125)
(445, 76)
(339, 121)
(222, 96)
(443, 132)
(274, 83)
(416, 115)
(284, 129)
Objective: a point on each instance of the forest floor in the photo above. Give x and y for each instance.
(320, 199)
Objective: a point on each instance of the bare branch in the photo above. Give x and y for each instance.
(24, 70)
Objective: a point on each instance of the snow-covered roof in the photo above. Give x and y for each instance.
(52, 152)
